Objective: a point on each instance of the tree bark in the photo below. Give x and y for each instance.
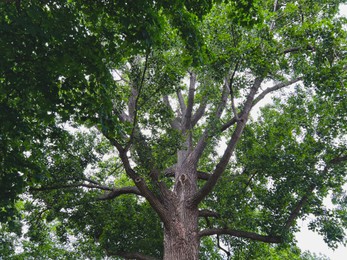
(181, 239)
(181, 235)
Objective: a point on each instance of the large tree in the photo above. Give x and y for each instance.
(127, 127)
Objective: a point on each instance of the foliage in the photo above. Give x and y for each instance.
(107, 106)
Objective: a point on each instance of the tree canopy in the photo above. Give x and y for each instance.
(129, 128)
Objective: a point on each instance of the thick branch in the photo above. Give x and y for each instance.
(175, 124)
(143, 188)
(234, 120)
(339, 159)
(202, 143)
(198, 114)
(241, 234)
(181, 101)
(186, 124)
(220, 167)
(117, 192)
(132, 103)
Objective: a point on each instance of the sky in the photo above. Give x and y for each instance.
(308, 240)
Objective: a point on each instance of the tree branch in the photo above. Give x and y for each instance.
(202, 143)
(121, 77)
(274, 88)
(272, 26)
(296, 49)
(143, 188)
(220, 167)
(186, 122)
(208, 213)
(136, 96)
(339, 159)
(120, 191)
(301, 203)
(199, 113)
(231, 91)
(295, 212)
(72, 185)
(175, 124)
(241, 234)
(221, 248)
(181, 102)
(259, 98)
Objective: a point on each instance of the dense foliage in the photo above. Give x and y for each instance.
(114, 114)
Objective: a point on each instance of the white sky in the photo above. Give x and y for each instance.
(308, 240)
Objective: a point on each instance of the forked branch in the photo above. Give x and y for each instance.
(281, 85)
(221, 166)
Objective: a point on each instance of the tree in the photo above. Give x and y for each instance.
(138, 138)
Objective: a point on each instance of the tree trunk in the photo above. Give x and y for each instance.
(181, 241)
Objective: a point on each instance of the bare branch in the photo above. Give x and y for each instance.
(202, 143)
(241, 234)
(274, 88)
(231, 91)
(136, 96)
(272, 26)
(120, 191)
(181, 101)
(220, 167)
(186, 124)
(198, 114)
(234, 120)
(72, 185)
(175, 124)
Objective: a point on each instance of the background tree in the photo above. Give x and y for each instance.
(128, 126)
